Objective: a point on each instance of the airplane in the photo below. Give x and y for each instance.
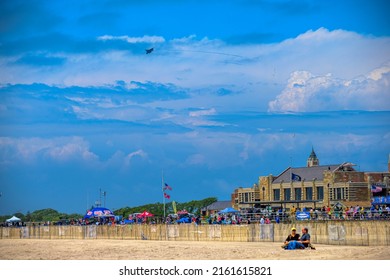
(149, 51)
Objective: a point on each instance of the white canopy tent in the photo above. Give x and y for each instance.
(13, 220)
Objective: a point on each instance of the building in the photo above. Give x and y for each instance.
(215, 207)
(312, 160)
(314, 186)
(246, 197)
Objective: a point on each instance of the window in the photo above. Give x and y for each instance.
(309, 193)
(246, 197)
(320, 193)
(277, 194)
(339, 193)
(298, 194)
(287, 194)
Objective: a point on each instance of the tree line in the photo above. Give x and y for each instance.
(44, 215)
(193, 206)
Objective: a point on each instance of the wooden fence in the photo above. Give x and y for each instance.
(359, 233)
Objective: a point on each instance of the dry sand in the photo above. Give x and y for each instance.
(35, 249)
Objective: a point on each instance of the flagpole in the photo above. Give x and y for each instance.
(291, 170)
(291, 181)
(162, 189)
(291, 166)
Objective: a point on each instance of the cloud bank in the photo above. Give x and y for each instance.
(133, 40)
(306, 92)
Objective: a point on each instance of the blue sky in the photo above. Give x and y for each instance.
(232, 91)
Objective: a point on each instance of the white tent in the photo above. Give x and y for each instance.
(13, 219)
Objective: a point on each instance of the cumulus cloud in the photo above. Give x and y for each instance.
(76, 148)
(122, 161)
(133, 40)
(194, 63)
(193, 68)
(62, 149)
(306, 92)
(139, 153)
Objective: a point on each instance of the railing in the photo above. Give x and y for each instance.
(324, 232)
(318, 216)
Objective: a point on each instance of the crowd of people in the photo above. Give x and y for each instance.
(338, 212)
(265, 215)
(13, 224)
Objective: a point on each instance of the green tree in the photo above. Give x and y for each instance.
(157, 209)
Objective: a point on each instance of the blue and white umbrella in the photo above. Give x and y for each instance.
(228, 210)
(99, 212)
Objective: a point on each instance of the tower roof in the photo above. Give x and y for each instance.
(313, 154)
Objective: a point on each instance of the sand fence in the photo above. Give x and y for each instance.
(355, 233)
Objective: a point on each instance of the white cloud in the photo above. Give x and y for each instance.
(322, 34)
(306, 92)
(377, 74)
(258, 71)
(59, 149)
(133, 40)
(204, 112)
(184, 40)
(123, 161)
(76, 148)
(139, 153)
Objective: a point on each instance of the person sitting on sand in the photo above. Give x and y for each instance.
(294, 236)
(305, 238)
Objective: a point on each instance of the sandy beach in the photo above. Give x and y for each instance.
(38, 249)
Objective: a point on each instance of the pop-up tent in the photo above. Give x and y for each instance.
(145, 214)
(13, 220)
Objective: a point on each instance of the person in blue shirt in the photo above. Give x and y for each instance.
(305, 238)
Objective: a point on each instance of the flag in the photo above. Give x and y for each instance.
(167, 187)
(167, 196)
(295, 177)
(174, 207)
(375, 189)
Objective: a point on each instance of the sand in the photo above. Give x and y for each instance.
(38, 249)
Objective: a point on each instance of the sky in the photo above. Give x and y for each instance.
(233, 90)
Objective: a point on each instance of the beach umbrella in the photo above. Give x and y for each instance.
(99, 212)
(228, 210)
(182, 212)
(145, 214)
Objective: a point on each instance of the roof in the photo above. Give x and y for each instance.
(313, 154)
(218, 205)
(306, 173)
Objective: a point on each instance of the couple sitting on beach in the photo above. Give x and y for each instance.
(295, 241)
